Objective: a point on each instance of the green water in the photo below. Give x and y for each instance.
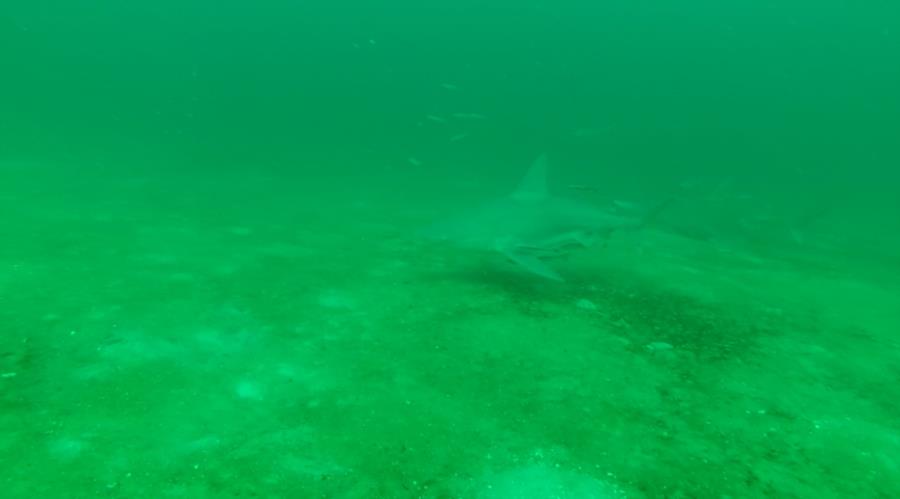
(211, 284)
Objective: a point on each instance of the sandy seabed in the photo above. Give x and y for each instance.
(178, 339)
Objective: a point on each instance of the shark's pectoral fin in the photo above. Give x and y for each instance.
(532, 264)
(586, 239)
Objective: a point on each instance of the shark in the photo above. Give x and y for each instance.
(531, 226)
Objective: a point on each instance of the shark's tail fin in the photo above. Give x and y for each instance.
(653, 215)
(648, 218)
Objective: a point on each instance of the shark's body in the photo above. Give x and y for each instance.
(531, 225)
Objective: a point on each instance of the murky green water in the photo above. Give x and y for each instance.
(212, 284)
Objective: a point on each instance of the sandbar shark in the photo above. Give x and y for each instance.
(531, 225)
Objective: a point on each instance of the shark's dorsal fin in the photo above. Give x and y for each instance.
(533, 186)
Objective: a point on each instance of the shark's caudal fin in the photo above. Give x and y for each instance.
(648, 218)
(651, 216)
(533, 186)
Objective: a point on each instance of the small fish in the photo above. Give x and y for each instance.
(449, 86)
(457, 138)
(625, 205)
(413, 161)
(583, 188)
(588, 132)
(468, 116)
(436, 119)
